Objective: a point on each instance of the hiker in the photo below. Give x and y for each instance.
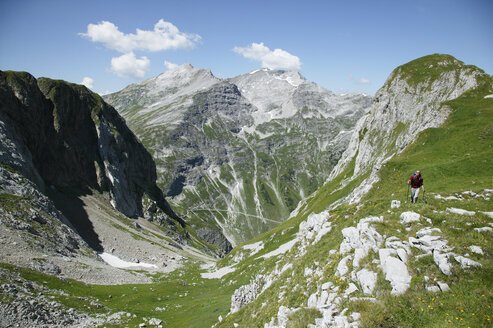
(415, 181)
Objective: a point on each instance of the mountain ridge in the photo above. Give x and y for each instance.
(233, 123)
(354, 253)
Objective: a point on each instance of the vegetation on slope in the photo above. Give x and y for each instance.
(453, 158)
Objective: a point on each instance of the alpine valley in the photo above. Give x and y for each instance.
(238, 155)
(262, 200)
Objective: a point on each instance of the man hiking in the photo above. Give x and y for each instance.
(415, 181)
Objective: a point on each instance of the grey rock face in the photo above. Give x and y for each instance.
(403, 108)
(29, 306)
(239, 154)
(215, 237)
(42, 228)
(63, 135)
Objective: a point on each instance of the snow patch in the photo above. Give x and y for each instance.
(218, 274)
(116, 262)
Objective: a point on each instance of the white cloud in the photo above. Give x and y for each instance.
(104, 93)
(170, 65)
(129, 66)
(277, 59)
(359, 80)
(165, 36)
(88, 82)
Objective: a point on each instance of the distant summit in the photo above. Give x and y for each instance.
(233, 152)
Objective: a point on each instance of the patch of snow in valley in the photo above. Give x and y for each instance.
(218, 274)
(116, 262)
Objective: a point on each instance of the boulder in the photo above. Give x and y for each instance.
(409, 217)
(367, 280)
(395, 271)
(395, 204)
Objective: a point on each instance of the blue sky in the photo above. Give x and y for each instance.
(344, 46)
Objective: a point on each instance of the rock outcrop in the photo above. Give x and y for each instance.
(62, 136)
(409, 102)
(234, 152)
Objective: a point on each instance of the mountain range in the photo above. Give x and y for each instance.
(302, 192)
(238, 155)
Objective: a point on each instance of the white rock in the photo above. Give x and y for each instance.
(342, 267)
(316, 225)
(395, 204)
(428, 243)
(409, 217)
(490, 214)
(466, 263)
(312, 301)
(460, 211)
(324, 295)
(476, 249)
(327, 285)
(483, 229)
(441, 260)
(246, 293)
(433, 289)
(427, 231)
(395, 243)
(359, 254)
(443, 286)
(283, 315)
(351, 289)
(367, 280)
(254, 248)
(355, 316)
(446, 198)
(402, 254)
(350, 241)
(362, 238)
(395, 271)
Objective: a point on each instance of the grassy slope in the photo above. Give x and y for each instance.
(453, 158)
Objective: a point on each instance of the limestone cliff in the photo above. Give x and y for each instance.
(411, 100)
(64, 136)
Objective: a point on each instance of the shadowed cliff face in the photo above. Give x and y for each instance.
(69, 138)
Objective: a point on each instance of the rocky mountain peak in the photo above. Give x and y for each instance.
(410, 101)
(227, 144)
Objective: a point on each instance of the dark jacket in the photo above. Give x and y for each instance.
(416, 181)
